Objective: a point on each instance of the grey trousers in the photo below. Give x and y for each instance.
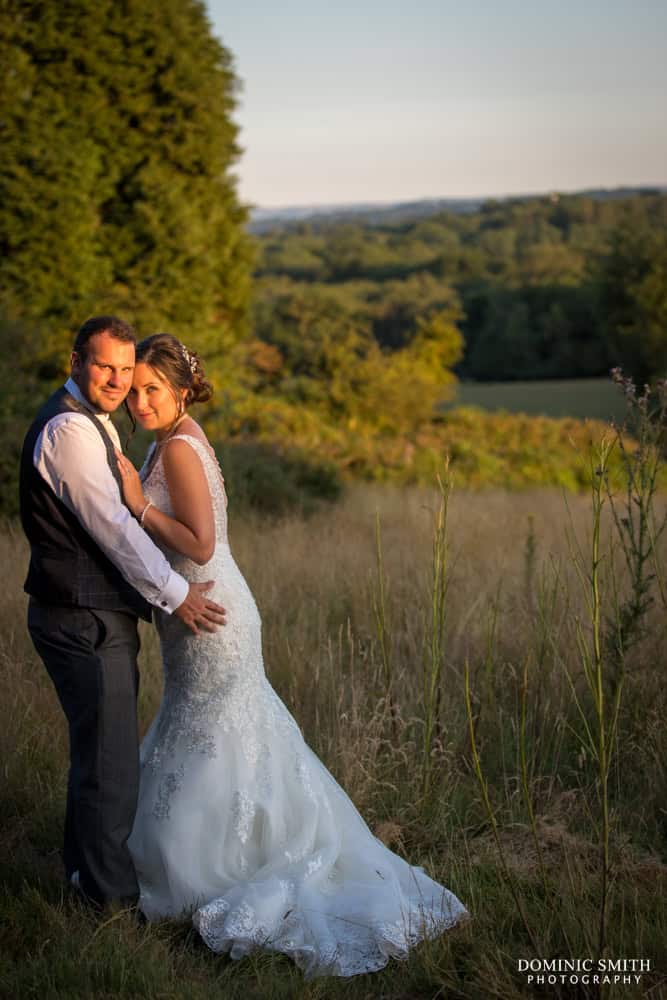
(91, 657)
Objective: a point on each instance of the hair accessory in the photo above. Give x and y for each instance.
(190, 358)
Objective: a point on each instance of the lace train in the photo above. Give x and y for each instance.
(240, 825)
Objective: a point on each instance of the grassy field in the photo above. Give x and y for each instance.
(587, 398)
(502, 799)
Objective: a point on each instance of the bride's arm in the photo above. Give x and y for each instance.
(191, 531)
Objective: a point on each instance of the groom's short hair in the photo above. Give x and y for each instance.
(115, 327)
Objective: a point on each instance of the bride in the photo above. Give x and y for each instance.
(239, 824)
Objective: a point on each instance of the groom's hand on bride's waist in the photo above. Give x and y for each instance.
(198, 612)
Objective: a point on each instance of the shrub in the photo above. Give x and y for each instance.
(272, 480)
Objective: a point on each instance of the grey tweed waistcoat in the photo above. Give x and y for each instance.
(67, 567)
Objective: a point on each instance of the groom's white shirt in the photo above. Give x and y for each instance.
(70, 455)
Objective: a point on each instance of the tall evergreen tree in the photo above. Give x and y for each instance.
(116, 191)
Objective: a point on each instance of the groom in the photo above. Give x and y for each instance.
(93, 572)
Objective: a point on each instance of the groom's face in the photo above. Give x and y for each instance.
(104, 373)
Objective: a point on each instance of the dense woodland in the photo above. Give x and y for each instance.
(330, 340)
(554, 287)
(358, 331)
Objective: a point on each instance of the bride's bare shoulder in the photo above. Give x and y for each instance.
(191, 428)
(180, 458)
(187, 428)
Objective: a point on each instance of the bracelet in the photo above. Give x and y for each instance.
(149, 503)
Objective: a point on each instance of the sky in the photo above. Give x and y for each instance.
(381, 101)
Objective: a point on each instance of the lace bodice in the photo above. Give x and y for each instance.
(212, 680)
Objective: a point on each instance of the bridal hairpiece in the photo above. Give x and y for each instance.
(190, 358)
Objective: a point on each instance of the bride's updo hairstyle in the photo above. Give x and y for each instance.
(180, 367)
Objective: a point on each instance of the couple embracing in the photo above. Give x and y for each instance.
(224, 816)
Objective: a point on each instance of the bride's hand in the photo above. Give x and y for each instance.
(133, 492)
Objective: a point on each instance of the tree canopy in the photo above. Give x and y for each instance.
(116, 191)
(558, 286)
(633, 298)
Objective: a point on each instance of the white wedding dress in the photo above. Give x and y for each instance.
(239, 824)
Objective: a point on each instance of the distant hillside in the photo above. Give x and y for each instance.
(371, 213)
(386, 213)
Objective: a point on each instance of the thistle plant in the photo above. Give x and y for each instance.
(638, 525)
(599, 727)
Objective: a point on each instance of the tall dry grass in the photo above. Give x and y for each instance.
(504, 808)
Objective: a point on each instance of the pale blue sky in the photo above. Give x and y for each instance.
(381, 101)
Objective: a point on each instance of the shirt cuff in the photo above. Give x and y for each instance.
(173, 593)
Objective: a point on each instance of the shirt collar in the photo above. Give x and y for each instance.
(74, 390)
